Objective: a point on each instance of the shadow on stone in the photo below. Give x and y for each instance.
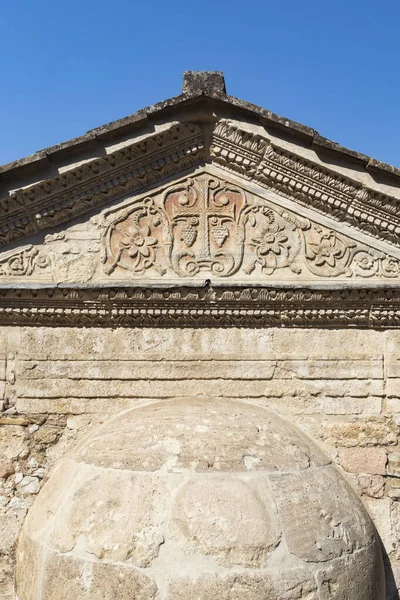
(391, 588)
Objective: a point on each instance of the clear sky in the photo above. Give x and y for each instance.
(67, 67)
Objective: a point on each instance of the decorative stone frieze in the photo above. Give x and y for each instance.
(24, 262)
(207, 225)
(205, 306)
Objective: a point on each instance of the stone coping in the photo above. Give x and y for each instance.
(139, 119)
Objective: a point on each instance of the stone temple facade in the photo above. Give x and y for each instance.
(199, 361)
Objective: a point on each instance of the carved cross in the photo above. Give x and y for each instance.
(204, 209)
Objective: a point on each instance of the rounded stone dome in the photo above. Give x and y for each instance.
(198, 500)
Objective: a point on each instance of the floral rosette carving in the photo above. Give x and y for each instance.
(327, 253)
(365, 264)
(274, 238)
(371, 263)
(132, 240)
(270, 241)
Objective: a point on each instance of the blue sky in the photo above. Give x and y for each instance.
(70, 66)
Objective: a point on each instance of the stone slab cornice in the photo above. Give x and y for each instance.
(200, 306)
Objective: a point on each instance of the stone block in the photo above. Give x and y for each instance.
(324, 405)
(4, 333)
(329, 369)
(393, 467)
(371, 485)
(392, 366)
(393, 488)
(6, 468)
(75, 406)
(393, 388)
(138, 343)
(395, 522)
(127, 524)
(70, 577)
(239, 534)
(392, 406)
(379, 511)
(146, 369)
(2, 368)
(243, 585)
(345, 580)
(392, 346)
(363, 460)
(12, 442)
(87, 388)
(29, 485)
(324, 344)
(371, 432)
(327, 536)
(13, 338)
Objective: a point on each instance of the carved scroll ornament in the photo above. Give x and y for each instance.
(206, 225)
(24, 262)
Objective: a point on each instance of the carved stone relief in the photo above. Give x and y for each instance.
(24, 262)
(204, 224)
(255, 157)
(201, 226)
(98, 182)
(196, 225)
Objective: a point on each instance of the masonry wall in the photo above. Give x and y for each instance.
(340, 387)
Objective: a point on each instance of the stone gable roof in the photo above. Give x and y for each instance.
(203, 210)
(33, 189)
(197, 87)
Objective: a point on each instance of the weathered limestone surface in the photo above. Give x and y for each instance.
(198, 498)
(333, 383)
(203, 253)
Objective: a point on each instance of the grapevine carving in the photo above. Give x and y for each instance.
(204, 224)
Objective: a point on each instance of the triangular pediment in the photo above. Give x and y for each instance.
(209, 225)
(203, 210)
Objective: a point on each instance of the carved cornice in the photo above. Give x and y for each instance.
(182, 148)
(99, 181)
(305, 182)
(256, 307)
